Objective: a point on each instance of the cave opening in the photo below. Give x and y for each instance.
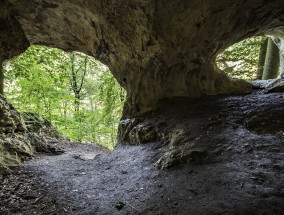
(64, 95)
(255, 58)
(215, 155)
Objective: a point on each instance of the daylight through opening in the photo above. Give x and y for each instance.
(255, 58)
(73, 91)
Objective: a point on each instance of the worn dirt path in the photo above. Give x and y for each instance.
(243, 173)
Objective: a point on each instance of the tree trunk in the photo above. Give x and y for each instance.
(271, 66)
(77, 101)
(77, 79)
(1, 79)
(261, 59)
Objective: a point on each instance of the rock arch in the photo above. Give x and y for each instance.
(155, 49)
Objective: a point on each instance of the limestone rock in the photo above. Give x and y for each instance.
(12, 38)
(41, 126)
(14, 148)
(278, 38)
(16, 142)
(182, 155)
(10, 119)
(155, 49)
(134, 131)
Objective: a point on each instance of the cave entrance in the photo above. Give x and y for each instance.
(75, 92)
(255, 58)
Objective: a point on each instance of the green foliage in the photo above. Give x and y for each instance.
(76, 92)
(241, 59)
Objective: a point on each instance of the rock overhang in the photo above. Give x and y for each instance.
(155, 49)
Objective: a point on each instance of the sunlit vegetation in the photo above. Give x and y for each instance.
(241, 59)
(75, 92)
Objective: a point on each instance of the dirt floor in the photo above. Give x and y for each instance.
(242, 172)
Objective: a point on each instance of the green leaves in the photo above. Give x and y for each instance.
(45, 81)
(241, 59)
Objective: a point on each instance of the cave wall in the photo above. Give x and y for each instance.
(278, 37)
(280, 44)
(12, 38)
(155, 49)
(15, 145)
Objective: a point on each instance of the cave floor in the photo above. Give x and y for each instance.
(243, 172)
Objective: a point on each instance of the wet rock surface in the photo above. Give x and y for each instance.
(221, 164)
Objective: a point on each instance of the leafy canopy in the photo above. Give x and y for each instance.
(46, 81)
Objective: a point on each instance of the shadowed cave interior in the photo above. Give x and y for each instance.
(190, 140)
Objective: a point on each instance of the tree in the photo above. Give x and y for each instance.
(78, 76)
(271, 66)
(76, 92)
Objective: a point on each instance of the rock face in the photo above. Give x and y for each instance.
(19, 142)
(41, 126)
(12, 38)
(278, 39)
(10, 119)
(15, 144)
(156, 49)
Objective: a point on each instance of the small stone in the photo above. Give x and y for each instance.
(119, 205)
(124, 172)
